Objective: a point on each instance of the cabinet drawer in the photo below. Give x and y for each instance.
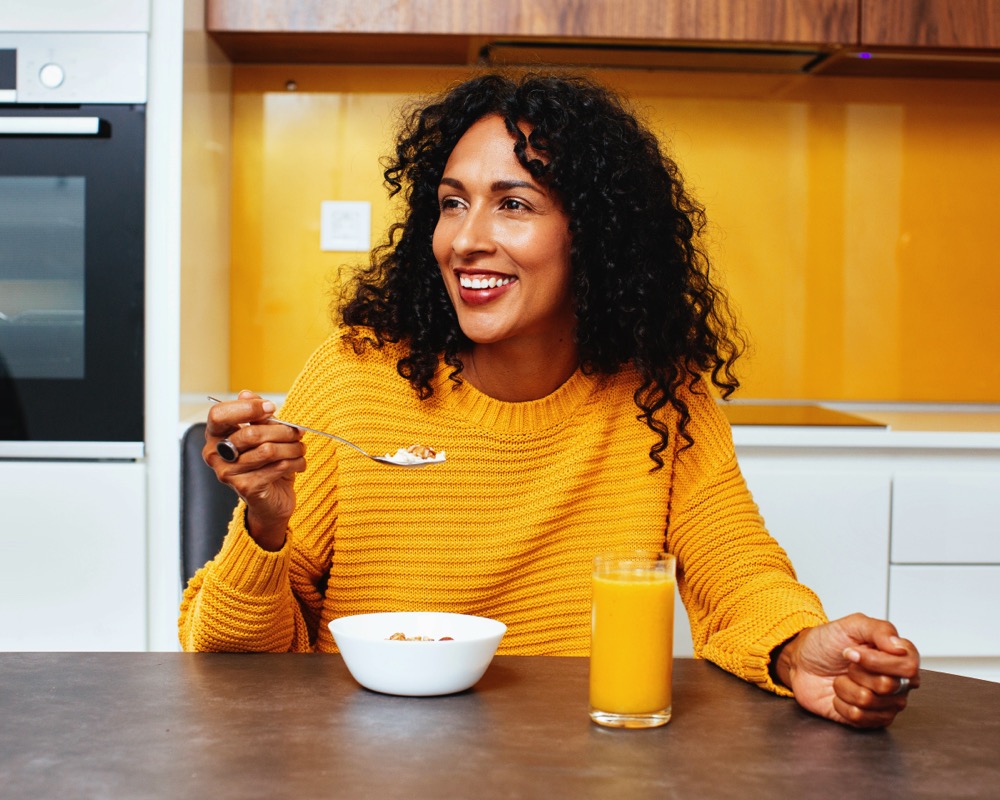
(72, 556)
(946, 517)
(947, 611)
(832, 520)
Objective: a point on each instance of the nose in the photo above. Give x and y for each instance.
(473, 233)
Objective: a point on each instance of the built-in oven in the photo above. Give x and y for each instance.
(72, 187)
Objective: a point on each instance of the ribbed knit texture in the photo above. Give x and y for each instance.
(505, 528)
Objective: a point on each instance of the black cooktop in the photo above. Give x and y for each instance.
(793, 414)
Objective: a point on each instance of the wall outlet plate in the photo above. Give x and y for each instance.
(345, 226)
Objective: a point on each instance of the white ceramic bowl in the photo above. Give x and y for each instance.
(417, 669)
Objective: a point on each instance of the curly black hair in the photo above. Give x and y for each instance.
(640, 281)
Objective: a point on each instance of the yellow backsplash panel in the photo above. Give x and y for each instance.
(854, 221)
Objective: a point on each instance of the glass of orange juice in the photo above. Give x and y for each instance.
(632, 639)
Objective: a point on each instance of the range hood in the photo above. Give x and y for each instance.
(834, 61)
(612, 54)
(923, 63)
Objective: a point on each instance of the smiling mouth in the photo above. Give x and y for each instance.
(484, 282)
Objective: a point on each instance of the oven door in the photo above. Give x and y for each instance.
(72, 189)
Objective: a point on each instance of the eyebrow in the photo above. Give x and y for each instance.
(496, 186)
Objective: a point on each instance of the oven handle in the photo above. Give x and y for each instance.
(48, 126)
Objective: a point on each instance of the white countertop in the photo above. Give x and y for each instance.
(915, 426)
(906, 426)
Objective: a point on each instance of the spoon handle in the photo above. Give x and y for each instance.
(307, 429)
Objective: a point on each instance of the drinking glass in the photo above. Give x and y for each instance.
(632, 639)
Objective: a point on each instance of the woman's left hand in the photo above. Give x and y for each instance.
(855, 670)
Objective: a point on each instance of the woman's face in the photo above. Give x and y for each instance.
(502, 243)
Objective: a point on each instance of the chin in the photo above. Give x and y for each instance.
(479, 333)
(480, 338)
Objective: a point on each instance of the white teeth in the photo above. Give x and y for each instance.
(483, 283)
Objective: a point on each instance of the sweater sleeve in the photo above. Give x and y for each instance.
(242, 599)
(250, 599)
(737, 583)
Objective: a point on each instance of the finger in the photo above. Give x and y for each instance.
(258, 433)
(254, 451)
(862, 708)
(878, 633)
(251, 447)
(861, 717)
(226, 417)
(887, 681)
(258, 483)
(861, 695)
(885, 667)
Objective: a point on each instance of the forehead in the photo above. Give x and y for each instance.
(486, 139)
(488, 147)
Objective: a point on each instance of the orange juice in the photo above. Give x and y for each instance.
(631, 656)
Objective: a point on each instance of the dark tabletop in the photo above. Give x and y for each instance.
(137, 725)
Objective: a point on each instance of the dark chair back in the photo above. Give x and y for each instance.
(206, 505)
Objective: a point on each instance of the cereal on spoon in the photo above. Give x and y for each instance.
(417, 454)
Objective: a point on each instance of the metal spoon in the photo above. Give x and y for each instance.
(229, 453)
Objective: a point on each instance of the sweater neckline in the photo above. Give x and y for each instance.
(475, 407)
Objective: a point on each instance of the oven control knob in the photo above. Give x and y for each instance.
(51, 76)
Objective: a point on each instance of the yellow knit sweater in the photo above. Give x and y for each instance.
(505, 528)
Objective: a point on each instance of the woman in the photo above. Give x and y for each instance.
(545, 316)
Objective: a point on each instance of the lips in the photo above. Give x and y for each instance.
(480, 288)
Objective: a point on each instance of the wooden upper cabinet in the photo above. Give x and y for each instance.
(273, 29)
(946, 24)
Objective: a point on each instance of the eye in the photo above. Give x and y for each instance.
(513, 204)
(449, 203)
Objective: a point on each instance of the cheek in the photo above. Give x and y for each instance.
(440, 244)
(556, 247)
(563, 276)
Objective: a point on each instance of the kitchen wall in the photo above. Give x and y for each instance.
(206, 178)
(853, 220)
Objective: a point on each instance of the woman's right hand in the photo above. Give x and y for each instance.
(264, 473)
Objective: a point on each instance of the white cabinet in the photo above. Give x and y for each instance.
(831, 515)
(945, 576)
(947, 511)
(72, 556)
(898, 525)
(948, 611)
(71, 15)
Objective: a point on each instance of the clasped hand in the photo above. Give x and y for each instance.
(851, 670)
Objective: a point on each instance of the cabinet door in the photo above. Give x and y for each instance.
(947, 513)
(728, 21)
(72, 556)
(832, 518)
(948, 610)
(74, 16)
(931, 23)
